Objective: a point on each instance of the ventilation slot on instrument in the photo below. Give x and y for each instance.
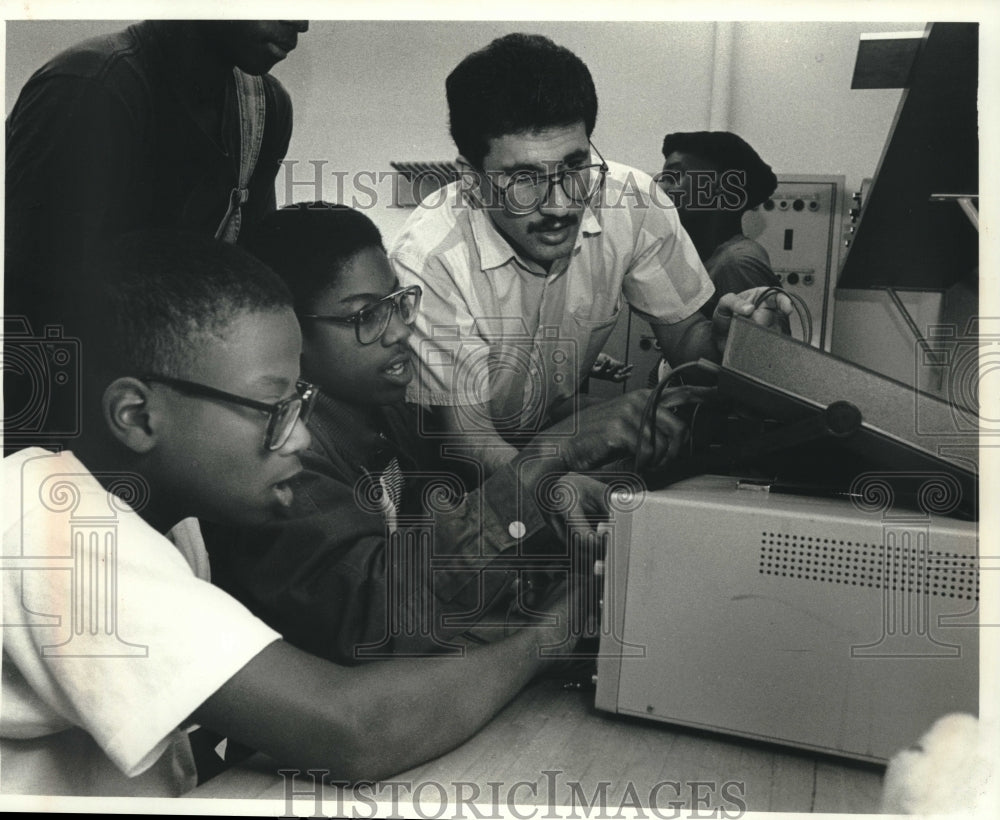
(899, 567)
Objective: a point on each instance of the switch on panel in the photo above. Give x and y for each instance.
(798, 227)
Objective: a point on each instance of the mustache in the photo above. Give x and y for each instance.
(553, 224)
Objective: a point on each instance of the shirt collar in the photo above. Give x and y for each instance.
(495, 251)
(352, 432)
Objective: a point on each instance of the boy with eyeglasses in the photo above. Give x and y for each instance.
(114, 642)
(167, 124)
(532, 254)
(383, 552)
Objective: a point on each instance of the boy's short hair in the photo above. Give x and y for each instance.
(726, 151)
(159, 292)
(518, 83)
(308, 243)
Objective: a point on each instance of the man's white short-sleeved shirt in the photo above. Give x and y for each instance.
(494, 328)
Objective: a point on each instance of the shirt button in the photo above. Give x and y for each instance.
(517, 529)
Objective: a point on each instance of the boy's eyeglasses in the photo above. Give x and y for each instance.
(370, 322)
(281, 416)
(526, 190)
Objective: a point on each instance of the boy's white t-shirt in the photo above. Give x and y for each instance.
(110, 638)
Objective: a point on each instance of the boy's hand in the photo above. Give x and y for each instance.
(571, 497)
(773, 311)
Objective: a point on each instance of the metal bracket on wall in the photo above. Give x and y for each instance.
(972, 212)
(965, 202)
(914, 329)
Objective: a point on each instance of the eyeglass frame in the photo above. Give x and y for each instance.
(551, 180)
(356, 317)
(306, 397)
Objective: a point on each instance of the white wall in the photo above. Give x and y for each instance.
(790, 92)
(792, 100)
(369, 92)
(360, 115)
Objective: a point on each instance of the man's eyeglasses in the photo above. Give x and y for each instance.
(370, 322)
(526, 190)
(281, 416)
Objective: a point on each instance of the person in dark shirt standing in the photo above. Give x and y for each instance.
(148, 127)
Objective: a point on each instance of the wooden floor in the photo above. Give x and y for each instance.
(550, 746)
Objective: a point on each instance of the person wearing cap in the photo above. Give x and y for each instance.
(714, 177)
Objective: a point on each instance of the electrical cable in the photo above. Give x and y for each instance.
(798, 303)
(697, 395)
(676, 396)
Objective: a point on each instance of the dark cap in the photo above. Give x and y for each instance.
(726, 151)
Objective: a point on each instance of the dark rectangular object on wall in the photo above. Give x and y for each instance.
(885, 61)
(903, 239)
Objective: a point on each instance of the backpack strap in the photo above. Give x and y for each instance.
(251, 103)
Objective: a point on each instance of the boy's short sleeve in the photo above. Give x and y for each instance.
(114, 632)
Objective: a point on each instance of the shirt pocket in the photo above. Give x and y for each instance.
(593, 318)
(592, 332)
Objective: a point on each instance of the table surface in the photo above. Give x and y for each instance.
(553, 742)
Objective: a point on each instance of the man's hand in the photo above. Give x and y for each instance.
(773, 311)
(609, 369)
(609, 431)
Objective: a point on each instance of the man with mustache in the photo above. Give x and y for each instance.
(528, 260)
